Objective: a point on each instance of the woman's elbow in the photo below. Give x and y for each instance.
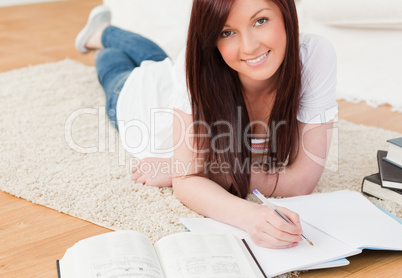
(309, 183)
(302, 189)
(177, 185)
(309, 188)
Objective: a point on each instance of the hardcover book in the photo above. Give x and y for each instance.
(371, 185)
(394, 154)
(391, 175)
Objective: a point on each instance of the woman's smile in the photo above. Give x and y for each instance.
(253, 41)
(258, 61)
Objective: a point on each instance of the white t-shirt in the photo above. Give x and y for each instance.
(146, 102)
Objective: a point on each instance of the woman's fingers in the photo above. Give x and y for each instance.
(153, 172)
(270, 237)
(136, 175)
(142, 179)
(293, 216)
(268, 241)
(268, 229)
(281, 224)
(280, 233)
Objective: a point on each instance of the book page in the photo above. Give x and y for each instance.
(114, 254)
(349, 217)
(193, 255)
(278, 261)
(330, 264)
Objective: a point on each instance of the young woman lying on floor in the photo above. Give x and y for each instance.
(248, 105)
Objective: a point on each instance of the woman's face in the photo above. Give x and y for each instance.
(253, 41)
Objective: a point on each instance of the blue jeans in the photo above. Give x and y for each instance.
(123, 51)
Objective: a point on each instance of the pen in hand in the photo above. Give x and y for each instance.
(270, 205)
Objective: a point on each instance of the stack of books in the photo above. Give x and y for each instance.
(387, 183)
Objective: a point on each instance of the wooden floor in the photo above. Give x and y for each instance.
(32, 237)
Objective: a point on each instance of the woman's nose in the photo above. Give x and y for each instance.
(249, 43)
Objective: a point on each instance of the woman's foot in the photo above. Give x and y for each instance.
(90, 36)
(95, 41)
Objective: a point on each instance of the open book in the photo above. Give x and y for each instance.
(131, 254)
(340, 224)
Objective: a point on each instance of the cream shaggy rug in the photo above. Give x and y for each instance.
(52, 113)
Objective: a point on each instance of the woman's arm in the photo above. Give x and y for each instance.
(210, 199)
(302, 176)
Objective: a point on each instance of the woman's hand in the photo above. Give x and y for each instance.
(268, 229)
(153, 171)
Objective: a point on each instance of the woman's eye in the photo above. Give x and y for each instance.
(261, 21)
(226, 34)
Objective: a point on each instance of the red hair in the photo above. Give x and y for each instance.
(216, 93)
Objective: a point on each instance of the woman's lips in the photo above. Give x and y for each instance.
(258, 60)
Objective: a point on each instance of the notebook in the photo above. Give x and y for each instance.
(340, 224)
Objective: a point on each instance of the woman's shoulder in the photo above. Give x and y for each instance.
(317, 56)
(182, 95)
(318, 79)
(315, 47)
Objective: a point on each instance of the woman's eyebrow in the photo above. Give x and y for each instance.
(259, 12)
(254, 14)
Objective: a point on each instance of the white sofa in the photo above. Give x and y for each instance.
(367, 35)
(163, 21)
